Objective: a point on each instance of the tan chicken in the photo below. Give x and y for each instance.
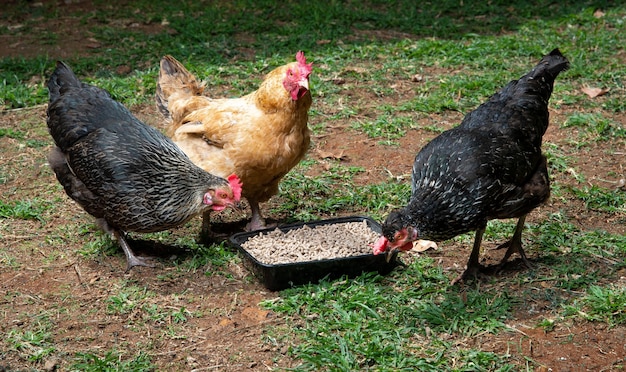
(259, 136)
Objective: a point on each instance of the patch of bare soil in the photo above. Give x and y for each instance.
(225, 328)
(64, 36)
(49, 282)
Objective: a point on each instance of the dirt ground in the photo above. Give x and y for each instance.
(231, 334)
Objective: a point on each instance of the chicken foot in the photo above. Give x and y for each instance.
(257, 222)
(514, 245)
(131, 259)
(473, 266)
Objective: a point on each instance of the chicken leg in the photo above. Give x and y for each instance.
(131, 259)
(257, 222)
(515, 245)
(473, 266)
(206, 233)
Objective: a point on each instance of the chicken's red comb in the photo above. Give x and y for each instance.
(304, 67)
(235, 185)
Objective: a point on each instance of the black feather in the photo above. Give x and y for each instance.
(490, 166)
(117, 168)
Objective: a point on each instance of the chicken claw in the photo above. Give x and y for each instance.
(131, 259)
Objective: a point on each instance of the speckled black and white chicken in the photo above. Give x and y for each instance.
(125, 173)
(489, 167)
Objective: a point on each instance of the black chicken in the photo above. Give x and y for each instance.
(489, 167)
(123, 172)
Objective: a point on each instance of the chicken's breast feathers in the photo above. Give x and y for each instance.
(259, 136)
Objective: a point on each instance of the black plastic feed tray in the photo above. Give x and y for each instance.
(284, 275)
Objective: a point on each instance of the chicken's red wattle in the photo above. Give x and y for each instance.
(380, 246)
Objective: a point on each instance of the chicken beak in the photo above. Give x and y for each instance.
(304, 83)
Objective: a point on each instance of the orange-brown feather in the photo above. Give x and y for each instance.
(259, 137)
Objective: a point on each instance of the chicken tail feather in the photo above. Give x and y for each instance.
(551, 65)
(532, 91)
(61, 79)
(174, 78)
(540, 80)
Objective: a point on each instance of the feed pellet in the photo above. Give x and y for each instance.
(306, 243)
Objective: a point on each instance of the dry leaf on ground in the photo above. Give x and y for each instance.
(594, 92)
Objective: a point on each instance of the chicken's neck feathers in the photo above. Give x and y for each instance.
(273, 98)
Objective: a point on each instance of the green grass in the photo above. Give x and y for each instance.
(574, 249)
(126, 300)
(558, 161)
(391, 323)
(140, 302)
(12, 133)
(307, 197)
(469, 36)
(211, 259)
(191, 256)
(601, 199)
(601, 304)
(111, 361)
(595, 127)
(34, 343)
(23, 209)
(387, 126)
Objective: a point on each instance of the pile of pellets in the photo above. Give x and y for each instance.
(306, 243)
